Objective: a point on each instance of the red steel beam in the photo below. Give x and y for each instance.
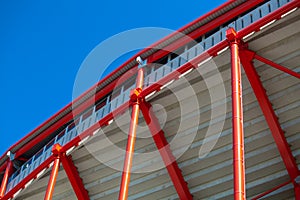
(74, 178)
(7, 173)
(237, 118)
(270, 116)
(277, 66)
(230, 14)
(297, 191)
(271, 190)
(52, 180)
(53, 176)
(124, 187)
(269, 18)
(165, 152)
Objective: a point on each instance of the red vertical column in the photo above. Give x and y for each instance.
(131, 136)
(7, 173)
(54, 172)
(297, 191)
(237, 118)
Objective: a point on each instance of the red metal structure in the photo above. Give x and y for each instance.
(237, 118)
(7, 173)
(131, 135)
(242, 51)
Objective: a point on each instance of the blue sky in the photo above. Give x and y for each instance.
(43, 43)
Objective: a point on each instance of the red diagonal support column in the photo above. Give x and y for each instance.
(165, 152)
(7, 173)
(131, 135)
(277, 66)
(54, 173)
(237, 118)
(270, 116)
(74, 178)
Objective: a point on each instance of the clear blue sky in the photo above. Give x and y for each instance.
(43, 43)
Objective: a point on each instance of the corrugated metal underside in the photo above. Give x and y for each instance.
(209, 177)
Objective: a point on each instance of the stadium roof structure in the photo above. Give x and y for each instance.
(244, 142)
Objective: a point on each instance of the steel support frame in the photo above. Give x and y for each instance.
(211, 52)
(7, 173)
(139, 103)
(74, 178)
(52, 179)
(269, 113)
(55, 168)
(71, 171)
(275, 65)
(237, 118)
(207, 27)
(166, 153)
(271, 190)
(124, 187)
(247, 57)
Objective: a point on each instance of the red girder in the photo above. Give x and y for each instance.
(277, 66)
(52, 179)
(7, 173)
(205, 28)
(271, 190)
(165, 152)
(267, 19)
(237, 118)
(124, 187)
(271, 118)
(74, 177)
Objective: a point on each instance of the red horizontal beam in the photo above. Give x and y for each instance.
(165, 152)
(88, 132)
(205, 28)
(270, 116)
(267, 19)
(191, 64)
(74, 178)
